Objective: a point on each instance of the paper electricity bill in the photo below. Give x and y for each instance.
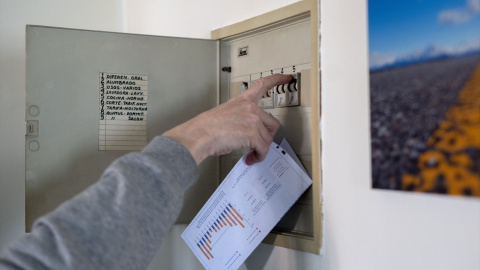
(245, 208)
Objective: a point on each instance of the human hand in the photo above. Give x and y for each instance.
(235, 124)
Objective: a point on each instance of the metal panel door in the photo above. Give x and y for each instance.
(64, 153)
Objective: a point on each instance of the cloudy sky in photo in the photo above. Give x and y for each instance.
(404, 29)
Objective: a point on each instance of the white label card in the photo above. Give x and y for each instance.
(122, 112)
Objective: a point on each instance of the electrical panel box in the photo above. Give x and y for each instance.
(95, 96)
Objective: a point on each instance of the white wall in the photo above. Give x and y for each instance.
(372, 229)
(364, 228)
(187, 18)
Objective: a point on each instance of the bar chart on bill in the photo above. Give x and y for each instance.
(224, 218)
(244, 208)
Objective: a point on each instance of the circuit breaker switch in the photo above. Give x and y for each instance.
(266, 102)
(291, 87)
(278, 89)
(294, 91)
(280, 96)
(269, 93)
(243, 87)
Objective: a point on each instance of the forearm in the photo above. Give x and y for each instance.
(119, 222)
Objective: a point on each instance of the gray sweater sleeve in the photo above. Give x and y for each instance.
(117, 223)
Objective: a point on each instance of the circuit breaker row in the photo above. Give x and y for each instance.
(285, 95)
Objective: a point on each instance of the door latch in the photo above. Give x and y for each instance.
(32, 128)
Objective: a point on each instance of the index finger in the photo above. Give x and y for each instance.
(262, 85)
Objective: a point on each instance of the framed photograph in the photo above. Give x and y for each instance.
(424, 61)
